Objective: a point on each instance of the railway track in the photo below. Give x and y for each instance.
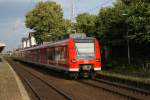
(127, 82)
(118, 89)
(121, 91)
(41, 89)
(141, 91)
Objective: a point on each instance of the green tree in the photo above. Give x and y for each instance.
(136, 22)
(86, 23)
(111, 22)
(46, 19)
(67, 25)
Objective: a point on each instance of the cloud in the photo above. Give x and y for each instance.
(19, 0)
(10, 10)
(28, 1)
(12, 33)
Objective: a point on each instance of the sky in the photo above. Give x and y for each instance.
(12, 16)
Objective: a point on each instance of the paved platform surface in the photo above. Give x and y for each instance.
(11, 87)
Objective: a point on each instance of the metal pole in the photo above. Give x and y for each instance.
(72, 11)
(128, 43)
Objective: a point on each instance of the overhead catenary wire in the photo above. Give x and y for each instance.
(73, 17)
(98, 6)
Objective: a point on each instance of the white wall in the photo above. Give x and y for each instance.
(24, 44)
(28, 43)
(33, 42)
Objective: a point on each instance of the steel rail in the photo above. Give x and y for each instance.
(66, 96)
(145, 92)
(109, 90)
(49, 85)
(28, 83)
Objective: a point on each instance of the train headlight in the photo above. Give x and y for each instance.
(73, 61)
(98, 60)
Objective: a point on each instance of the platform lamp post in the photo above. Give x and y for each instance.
(128, 42)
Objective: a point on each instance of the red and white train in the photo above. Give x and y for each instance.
(78, 56)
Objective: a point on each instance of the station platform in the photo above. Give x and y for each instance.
(11, 87)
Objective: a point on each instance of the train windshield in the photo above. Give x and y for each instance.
(85, 48)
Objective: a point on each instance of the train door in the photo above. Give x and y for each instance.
(44, 56)
(51, 56)
(57, 55)
(37, 57)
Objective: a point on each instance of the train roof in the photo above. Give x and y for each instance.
(49, 44)
(60, 42)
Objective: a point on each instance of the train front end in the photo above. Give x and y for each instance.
(84, 56)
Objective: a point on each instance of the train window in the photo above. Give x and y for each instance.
(64, 53)
(51, 53)
(44, 54)
(85, 50)
(33, 55)
(61, 53)
(37, 55)
(57, 53)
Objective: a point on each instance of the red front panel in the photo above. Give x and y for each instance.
(75, 63)
(72, 54)
(97, 54)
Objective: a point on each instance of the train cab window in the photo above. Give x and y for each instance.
(85, 48)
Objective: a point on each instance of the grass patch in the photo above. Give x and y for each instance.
(142, 70)
(126, 77)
